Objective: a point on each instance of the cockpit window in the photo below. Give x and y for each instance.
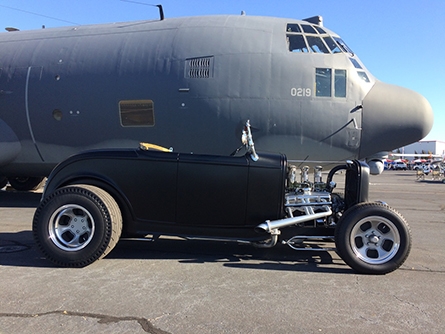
(340, 83)
(297, 43)
(293, 28)
(326, 79)
(363, 76)
(308, 29)
(332, 45)
(305, 38)
(316, 44)
(343, 46)
(355, 63)
(320, 30)
(323, 80)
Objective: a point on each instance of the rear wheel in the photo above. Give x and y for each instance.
(372, 238)
(77, 225)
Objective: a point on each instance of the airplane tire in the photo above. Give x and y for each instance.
(373, 238)
(25, 183)
(77, 225)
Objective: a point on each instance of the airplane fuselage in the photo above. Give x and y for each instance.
(190, 83)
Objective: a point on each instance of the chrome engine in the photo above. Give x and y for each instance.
(306, 198)
(307, 204)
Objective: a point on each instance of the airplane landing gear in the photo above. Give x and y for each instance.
(26, 183)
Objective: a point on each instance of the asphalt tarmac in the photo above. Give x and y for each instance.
(176, 286)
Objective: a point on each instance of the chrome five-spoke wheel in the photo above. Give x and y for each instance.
(375, 240)
(71, 227)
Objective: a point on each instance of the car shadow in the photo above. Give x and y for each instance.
(430, 181)
(19, 250)
(231, 254)
(19, 199)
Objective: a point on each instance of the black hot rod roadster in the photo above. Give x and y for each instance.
(94, 198)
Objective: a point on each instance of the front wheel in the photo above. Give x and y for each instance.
(373, 238)
(77, 225)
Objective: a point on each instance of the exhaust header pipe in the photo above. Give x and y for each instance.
(268, 225)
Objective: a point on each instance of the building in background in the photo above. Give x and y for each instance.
(433, 147)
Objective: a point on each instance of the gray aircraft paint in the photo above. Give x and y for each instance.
(60, 91)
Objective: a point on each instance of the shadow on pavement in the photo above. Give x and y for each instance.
(19, 249)
(15, 199)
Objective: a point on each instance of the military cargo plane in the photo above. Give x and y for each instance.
(190, 83)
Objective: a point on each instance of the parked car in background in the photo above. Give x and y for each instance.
(423, 167)
(399, 165)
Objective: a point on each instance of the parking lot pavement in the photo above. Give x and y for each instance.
(176, 286)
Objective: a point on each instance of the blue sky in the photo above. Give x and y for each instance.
(400, 41)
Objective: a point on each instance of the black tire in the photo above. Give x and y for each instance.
(26, 183)
(373, 238)
(77, 225)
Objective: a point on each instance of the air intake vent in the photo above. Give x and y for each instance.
(199, 67)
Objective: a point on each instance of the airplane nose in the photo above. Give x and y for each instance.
(393, 117)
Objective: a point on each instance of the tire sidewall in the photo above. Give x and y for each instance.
(347, 223)
(102, 226)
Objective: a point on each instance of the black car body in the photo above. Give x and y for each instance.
(183, 194)
(93, 199)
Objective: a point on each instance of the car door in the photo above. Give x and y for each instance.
(212, 190)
